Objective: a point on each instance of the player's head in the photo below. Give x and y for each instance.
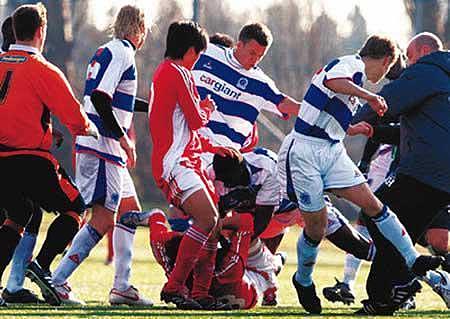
(378, 53)
(130, 24)
(30, 25)
(422, 44)
(185, 41)
(222, 39)
(8, 34)
(232, 171)
(253, 42)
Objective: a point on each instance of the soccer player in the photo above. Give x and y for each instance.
(421, 187)
(32, 89)
(239, 88)
(315, 160)
(176, 114)
(101, 165)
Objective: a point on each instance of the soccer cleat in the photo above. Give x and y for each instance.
(270, 297)
(67, 296)
(282, 255)
(446, 264)
(20, 296)
(371, 308)
(180, 301)
(44, 280)
(340, 292)
(409, 304)
(129, 297)
(401, 293)
(443, 287)
(424, 263)
(134, 219)
(307, 297)
(211, 303)
(3, 303)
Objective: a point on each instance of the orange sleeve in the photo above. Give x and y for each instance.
(56, 93)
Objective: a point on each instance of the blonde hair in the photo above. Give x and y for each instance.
(129, 22)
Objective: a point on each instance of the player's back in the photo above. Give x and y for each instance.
(25, 118)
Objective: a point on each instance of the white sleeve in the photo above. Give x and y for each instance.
(113, 72)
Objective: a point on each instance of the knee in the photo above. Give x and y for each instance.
(372, 206)
(316, 229)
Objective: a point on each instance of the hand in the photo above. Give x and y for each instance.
(363, 128)
(92, 131)
(129, 148)
(225, 151)
(208, 103)
(58, 137)
(378, 104)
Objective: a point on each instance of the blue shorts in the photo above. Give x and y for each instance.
(307, 166)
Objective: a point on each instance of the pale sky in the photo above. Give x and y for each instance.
(382, 16)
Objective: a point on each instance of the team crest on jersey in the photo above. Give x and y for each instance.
(208, 65)
(242, 83)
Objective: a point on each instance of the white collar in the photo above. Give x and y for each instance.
(22, 47)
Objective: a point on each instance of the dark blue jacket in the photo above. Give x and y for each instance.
(421, 98)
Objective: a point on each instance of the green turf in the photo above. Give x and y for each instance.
(93, 280)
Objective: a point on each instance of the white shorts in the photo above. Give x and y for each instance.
(307, 166)
(101, 182)
(183, 182)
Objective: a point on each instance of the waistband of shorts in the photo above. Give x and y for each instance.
(313, 139)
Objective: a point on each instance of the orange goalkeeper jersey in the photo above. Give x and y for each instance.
(30, 89)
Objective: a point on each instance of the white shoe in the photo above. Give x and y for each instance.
(134, 219)
(67, 296)
(129, 297)
(443, 287)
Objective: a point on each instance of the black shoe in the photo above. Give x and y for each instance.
(44, 280)
(424, 263)
(371, 308)
(339, 292)
(307, 297)
(3, 303)
(211, 303)
(180, 301)
(446, 264)
(270, 298)
(409, 304)
(402, 293)
(20, 296)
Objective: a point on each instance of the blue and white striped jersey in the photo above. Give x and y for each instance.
(112, 70)
(323, 113)
(264, 188)
(239, 94)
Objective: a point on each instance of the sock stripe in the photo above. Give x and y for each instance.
(385, 212)
(131, 231)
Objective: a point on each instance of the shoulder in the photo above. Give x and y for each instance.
(46, 68)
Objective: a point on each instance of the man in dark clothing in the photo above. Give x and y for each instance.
(421, 98)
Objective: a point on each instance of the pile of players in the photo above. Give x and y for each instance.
(230, 201)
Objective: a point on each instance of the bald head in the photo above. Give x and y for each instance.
(422, 44)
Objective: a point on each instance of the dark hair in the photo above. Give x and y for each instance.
(232, 171)
(258, 32)
(27, 19)
(378, 47)
(222, 39)
(8, 34)
(397, 68)
(181, 36)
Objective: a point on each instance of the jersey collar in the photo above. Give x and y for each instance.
(232, 59)
(26, 48)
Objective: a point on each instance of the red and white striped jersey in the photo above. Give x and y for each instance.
(175, 115)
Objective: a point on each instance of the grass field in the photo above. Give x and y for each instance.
(93, 280)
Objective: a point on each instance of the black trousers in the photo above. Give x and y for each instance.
(416, 205)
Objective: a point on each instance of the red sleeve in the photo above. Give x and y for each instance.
(57, 95)
(207, 146)
(188, 98)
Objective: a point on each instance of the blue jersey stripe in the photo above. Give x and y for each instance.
(316, 97)
(129, 74)
(304, 128)
(104, 59)
(339, 110)
(101, 128)
(228, 74)
(106, 156)
(223, 129)
(330, 65)
(123, 101)
(233, 108)
(265, 152)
